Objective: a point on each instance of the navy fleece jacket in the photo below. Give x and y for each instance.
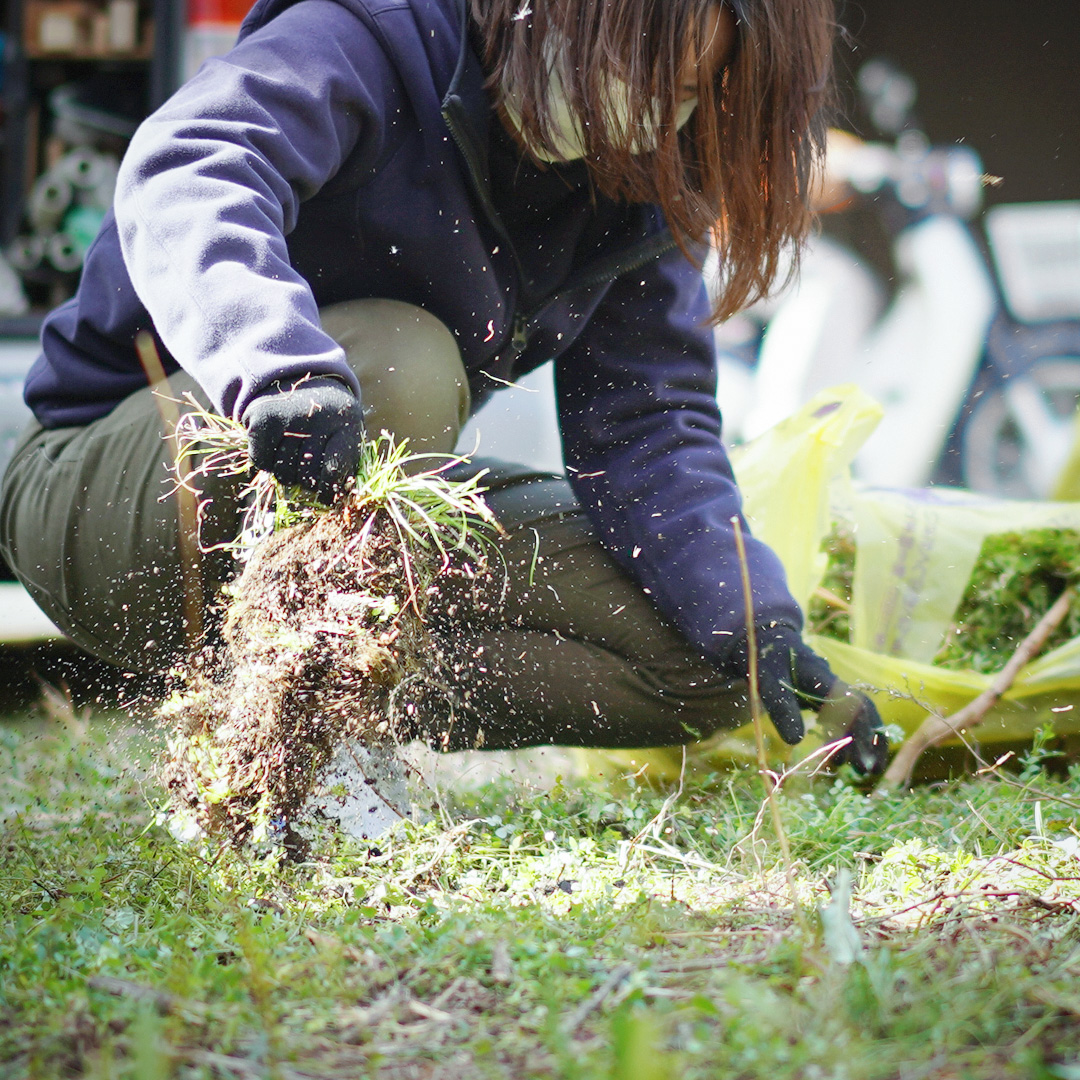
(340, 151)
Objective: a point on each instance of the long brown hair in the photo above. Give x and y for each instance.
(739, 169)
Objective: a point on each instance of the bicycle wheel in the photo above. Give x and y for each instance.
(1018, 434)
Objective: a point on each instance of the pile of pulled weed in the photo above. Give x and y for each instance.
(323, 642)
(1016, 579)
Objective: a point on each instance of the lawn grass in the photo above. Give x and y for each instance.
(571, 928)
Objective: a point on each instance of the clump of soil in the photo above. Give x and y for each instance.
(1016, 579)
(324, 640)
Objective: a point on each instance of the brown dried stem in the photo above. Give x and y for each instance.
(768, 778)
(187, 510)
(935, 729)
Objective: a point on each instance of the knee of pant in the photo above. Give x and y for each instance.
(412, 380)
(699, 704)
(693, 684)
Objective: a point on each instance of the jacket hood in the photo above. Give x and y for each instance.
(428, 43)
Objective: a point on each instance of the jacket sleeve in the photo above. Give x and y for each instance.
(212, 182)
(641, 439)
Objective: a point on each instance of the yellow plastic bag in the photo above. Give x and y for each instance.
(915, 551)
(914, 554)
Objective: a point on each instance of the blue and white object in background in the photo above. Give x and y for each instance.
(976, 361)
(21, 620)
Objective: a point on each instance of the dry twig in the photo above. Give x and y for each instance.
(935, 729)
(597, 998)
(162, 1001)
(768, 778)
(187, 509)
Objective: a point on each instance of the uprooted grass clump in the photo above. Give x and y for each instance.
(1016, 578)
(323, 641)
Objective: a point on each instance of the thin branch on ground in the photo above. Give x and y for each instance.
(768, 778)
(935, 729)
(597, 998)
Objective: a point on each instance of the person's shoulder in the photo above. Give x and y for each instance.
(422, 10)
(420, 38)
(427, 24)
(270, 12)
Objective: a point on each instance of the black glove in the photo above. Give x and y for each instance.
(848, 712)
(792, 677)
(308, 435)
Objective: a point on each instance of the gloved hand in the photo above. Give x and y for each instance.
(792, 677)
(308, 435)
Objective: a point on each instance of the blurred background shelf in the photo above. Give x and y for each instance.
(76, 78)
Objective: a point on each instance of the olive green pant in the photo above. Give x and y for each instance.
(567, 649)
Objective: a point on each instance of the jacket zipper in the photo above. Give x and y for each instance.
(519, 334)
(587, 281)
(610, 268)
